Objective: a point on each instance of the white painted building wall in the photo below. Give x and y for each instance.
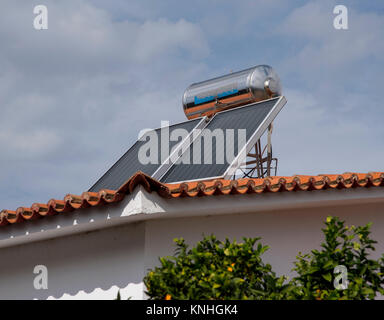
(92, 253)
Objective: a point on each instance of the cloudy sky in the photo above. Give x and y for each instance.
(74, 97)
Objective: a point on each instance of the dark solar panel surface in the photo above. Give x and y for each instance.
(129, 163)
(248, 118)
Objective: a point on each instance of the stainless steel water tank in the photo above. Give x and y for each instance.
(231, 90)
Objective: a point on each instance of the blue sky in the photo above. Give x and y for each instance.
(74, 97)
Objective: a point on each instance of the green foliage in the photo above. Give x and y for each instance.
(215, 270)
(224, 270)
(118, 297)
(347, 246)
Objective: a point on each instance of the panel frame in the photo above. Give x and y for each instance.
(236, 163)
(202, 120)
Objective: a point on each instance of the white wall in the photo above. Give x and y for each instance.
(286, 232)
(91, 265)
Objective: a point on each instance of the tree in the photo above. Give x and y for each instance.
(342, 269)
(348, 247)
(215, 270)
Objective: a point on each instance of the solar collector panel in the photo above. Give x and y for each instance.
(129, 163)
(254, 118)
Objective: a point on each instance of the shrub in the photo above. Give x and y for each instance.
(224, 270)
(215, 270)
(346, 246)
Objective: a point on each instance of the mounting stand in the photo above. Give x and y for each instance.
(260, 163)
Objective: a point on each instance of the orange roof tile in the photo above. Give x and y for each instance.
(193, 189)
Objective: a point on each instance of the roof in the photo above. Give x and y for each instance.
(193, 189)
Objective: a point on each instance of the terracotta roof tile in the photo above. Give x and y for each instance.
(193, 189)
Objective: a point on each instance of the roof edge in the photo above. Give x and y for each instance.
(192, 189)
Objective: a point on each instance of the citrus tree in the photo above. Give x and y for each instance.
(342, 268)
(215, 270)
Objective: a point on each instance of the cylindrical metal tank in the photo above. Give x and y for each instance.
(231, 90)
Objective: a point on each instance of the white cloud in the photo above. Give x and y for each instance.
(332, 82)
(324, 45)
(310, 138)
(74, 97)
(156, 37)
(24, 145)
